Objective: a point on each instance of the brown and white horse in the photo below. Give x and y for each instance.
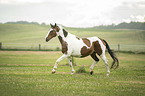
(80, 47)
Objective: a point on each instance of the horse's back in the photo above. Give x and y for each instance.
(92, 39)
(97, 41)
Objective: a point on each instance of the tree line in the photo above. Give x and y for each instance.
(25, 22)
(123, 25)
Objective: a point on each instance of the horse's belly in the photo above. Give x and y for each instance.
(75, 47)
(76, 54)
(76, 50)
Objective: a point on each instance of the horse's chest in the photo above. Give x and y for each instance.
(64, 47)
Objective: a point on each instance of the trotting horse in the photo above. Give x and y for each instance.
(80, 47)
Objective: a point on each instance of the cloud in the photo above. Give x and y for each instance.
(129, 11)
(86, 14)
(73, 13)
(20, 1)
(40, 12)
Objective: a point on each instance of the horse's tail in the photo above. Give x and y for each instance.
(112, 54)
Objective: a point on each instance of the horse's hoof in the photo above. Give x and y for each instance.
(53, 72)
(91, 72)
(107, 74)
(72, 73)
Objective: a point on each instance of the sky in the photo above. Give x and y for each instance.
(73, 13)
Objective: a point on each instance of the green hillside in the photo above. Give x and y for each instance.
(22, 33)
(34, 34)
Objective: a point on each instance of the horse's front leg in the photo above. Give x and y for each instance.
(70, 62)
(57, 61)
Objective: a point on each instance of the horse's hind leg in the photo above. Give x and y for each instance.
(106, 63)
(95, 61)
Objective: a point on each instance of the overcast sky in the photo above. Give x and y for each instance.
(73, 13)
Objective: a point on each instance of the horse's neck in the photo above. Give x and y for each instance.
(60, 39)
(62, 35)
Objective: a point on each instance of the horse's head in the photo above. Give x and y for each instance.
(52, 32)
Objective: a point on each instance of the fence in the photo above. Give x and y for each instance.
(128, 47)
(30, 46)
(36, 46)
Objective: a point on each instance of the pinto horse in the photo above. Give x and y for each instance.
(80, 47)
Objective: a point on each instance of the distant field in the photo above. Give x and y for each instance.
(26, 73)
(30, 36)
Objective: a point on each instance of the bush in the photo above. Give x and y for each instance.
(58, 49)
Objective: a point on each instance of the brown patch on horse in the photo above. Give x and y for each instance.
(86, 51)
(64, 45)
(60, 39)
(103, 41)
(97, 47)
(65, 33)
(86, 41)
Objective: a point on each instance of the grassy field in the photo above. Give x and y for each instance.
(28, 73)
(30, 36)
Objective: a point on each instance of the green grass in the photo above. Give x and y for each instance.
(27, 73)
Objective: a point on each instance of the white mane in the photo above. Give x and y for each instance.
(60, 31)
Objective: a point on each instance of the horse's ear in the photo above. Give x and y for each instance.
(56, 27)
(52, 26)
(55, 24)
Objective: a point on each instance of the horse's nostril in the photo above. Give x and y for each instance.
(47, 40)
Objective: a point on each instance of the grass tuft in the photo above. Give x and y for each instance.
(81, 70)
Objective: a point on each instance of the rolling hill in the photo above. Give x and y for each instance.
(34, 34)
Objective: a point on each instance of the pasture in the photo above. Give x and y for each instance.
(28, 73)
(25, 36)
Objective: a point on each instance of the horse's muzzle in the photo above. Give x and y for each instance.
(47, 40)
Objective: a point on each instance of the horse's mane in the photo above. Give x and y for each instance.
(60, 27)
